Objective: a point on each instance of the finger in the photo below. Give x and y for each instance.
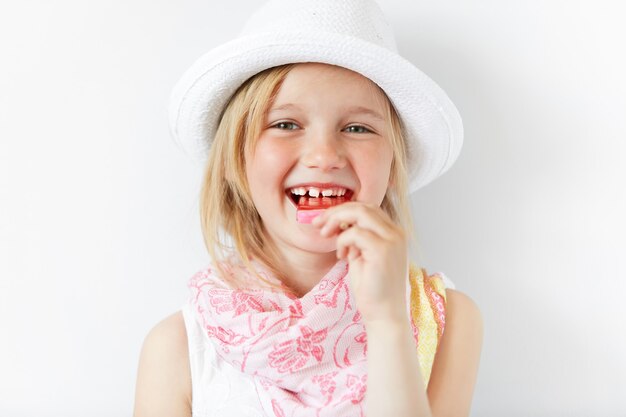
(323, 217)
(341, 251)
(353, 253)
(350, 253)
(358, 242)
(366, 217)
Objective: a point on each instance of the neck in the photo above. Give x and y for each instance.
(302, 269)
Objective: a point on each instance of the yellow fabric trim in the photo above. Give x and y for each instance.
(426, 317)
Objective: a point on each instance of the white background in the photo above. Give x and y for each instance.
(99, 228)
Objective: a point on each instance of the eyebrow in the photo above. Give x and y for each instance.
(365, 110)
(351, 110)
(287, 106)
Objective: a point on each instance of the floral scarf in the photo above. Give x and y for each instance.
(306, 355)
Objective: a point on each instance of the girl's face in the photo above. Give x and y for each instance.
(326, 130)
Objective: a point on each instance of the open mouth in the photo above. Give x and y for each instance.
(316, 198)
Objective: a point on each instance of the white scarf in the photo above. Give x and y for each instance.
(306, 355)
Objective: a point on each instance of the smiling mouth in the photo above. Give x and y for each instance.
(316, 198)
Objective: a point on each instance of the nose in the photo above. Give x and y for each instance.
(324, 151)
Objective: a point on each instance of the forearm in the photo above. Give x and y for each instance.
(394, 383)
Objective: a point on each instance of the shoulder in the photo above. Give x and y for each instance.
(461, 307)
(455, 370)
(464, 322)
(163, 378)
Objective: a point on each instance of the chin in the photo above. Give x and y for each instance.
(319, 249)
(313, 242)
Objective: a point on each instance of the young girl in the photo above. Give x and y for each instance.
(316, 131)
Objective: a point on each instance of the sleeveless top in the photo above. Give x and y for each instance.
(218, 389)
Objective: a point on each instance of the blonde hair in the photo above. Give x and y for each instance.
(226, 209)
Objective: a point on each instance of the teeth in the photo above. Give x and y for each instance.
(316, 192)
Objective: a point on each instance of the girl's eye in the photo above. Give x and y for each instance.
(286, 126)
(357, 129)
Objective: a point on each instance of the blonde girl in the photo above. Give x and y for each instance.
(316, 131)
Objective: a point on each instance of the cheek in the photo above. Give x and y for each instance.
(267, 165)
(374, 173)
(270, 156)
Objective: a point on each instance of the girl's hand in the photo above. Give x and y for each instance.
(376, 250)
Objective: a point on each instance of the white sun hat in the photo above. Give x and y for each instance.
(349, 33)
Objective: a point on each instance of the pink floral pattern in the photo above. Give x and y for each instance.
(307, 355)
(237, 301)
(226, 336)
(356, 388)
(292, 355)
(278, 411)
(329, 300)
(326, 383)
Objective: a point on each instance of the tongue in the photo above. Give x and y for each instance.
(311, 207)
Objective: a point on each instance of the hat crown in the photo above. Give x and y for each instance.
(362, 19)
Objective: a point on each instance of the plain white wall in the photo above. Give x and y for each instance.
(98, 208)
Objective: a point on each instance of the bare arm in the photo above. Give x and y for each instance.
(164, 380)
(455, 370)
(395, 384)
